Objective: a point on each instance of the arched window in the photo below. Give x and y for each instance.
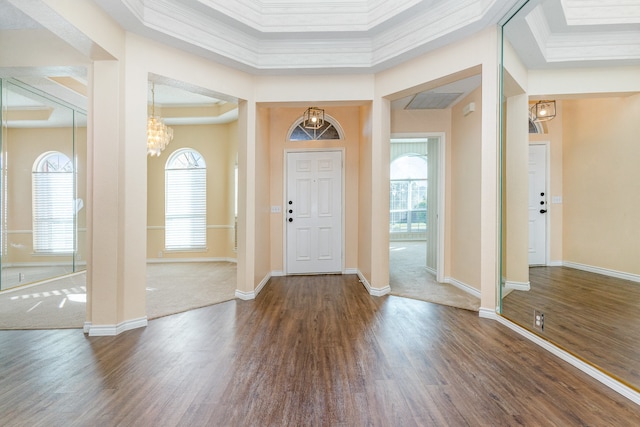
(185, 201)
(330, 130)
(53, 204)
(408, 196)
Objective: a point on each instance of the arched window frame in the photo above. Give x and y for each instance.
(316, 134)
(185, 201)
(53, 204)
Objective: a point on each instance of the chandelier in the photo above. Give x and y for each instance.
(543, 111)
(159, 135)
(313, 118)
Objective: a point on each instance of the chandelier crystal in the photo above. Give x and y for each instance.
(159, 135)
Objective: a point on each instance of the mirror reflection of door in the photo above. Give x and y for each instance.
(314, 212)
(538, 204)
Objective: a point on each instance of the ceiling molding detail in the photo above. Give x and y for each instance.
(601, 12)
(272, 36)
(560, 43)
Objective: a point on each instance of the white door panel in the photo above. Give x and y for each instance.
(314, 212)
(538, 205)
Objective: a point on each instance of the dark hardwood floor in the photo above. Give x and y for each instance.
(308, 351)
(593, 316)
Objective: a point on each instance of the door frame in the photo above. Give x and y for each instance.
(285, 183)
(547, 189)
(441, 198)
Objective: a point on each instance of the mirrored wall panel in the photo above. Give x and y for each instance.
(571, 181)
(43, 187)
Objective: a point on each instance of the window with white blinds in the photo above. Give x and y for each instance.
(53, 204)
(185, 201)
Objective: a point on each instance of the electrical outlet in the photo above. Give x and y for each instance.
(538, 320)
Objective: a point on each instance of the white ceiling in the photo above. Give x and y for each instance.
(336, 36)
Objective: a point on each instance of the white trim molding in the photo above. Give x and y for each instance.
(463, 286)
(111, 330)
(376, 292)
(246, 296)
(172, 260)
(517, 286)
(604, 271)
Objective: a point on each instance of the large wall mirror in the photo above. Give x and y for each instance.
(571, 180)
(42, 184)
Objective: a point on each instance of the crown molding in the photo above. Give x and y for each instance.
(335, 35)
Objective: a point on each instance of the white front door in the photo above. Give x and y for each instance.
(313, 212)
(538, 205)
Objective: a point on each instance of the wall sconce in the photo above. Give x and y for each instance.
(543, 110)
(313, 118)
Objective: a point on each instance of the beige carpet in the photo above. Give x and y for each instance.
(171, 288)
(408, 277)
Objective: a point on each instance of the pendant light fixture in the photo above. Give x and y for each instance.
(159, 135)
(313, 118)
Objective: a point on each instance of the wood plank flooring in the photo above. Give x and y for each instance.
(593, 316)
(307, 351)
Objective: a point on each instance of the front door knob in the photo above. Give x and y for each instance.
(543, 211)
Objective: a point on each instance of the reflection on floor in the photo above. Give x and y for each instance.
(171, 288)
(408, 277)
(593, 316)
(17, 276)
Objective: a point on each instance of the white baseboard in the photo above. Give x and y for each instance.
(350, 271)
(554, 264)
(111, 330)
(278, 273)
(172, 260)
(604, 271)
(245, 296)
(463, 286)
(487, 313)
(376, 292)
(588, 369)
(517, 286)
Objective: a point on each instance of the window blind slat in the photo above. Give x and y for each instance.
(185, 203)
(53, 208)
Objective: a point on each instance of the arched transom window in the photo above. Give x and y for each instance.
(185, 201)
(330, 130)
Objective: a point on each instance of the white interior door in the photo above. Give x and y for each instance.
(538, 205)
(313, 211)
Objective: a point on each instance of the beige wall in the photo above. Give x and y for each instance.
(281, 120)
(601, 182)
(218, 146)
(464, 209)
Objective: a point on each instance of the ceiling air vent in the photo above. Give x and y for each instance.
(432, 101)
